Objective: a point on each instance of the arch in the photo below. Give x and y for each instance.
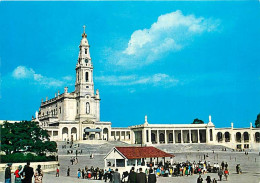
(257, 137)
(105, 134)
(161, 137)
(87, 108)
(65, 133)
(74, 133)
(85, 134)
(170, 137)
(153, 137)
(86, 76)
(219, 136)
(227, 136)
(238, 137)
(246, 136)
(97, 134)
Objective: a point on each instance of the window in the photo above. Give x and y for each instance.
(86, 60)
(87, 108)
(86, 51)
(60, 110)
(86, 76)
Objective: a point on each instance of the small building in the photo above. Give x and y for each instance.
(123, 158)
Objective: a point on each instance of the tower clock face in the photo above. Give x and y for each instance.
(86, 61)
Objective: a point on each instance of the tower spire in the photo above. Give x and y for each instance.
(84, 35)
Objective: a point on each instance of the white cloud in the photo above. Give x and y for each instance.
(22, 72)
(129, 80)
(171, 32)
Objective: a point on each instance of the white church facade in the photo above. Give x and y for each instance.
(76, 116)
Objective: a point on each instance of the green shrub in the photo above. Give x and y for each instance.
(22, 158)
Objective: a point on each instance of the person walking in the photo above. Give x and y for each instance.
(132, 176)
(17, 175)
(208, 179)
(27, 173)
(214, 181)
(226, 173)
(68, 171)
(151, 177)
(141, 177)
(38, 175)
(220, 173)
(83, 173)
(199, 180)
(79, 173)
(116, 177)
(8, 173)
(58, 171)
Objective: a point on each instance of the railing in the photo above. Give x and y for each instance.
(48, 116)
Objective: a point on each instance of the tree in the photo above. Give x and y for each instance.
(197, 121)
(25, 136)
(257, 121)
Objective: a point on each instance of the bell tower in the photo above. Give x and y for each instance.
(84, 69)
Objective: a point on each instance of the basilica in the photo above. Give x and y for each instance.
(76, 116)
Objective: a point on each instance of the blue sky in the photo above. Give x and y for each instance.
(172, 61)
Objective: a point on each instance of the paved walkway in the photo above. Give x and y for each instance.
(250, 164)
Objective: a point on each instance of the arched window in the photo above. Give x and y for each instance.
(86, 51)
(86, 76)
(87, 108)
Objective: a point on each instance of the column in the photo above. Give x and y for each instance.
(132, 136)
(173, 137)
(125, 162)
(135, 163)
(69, 134)
(101, 134)
(181, 137)
(190, 136)
(143, 136)
(105, 162)
(165, 137)
(198, 136)
(157, 134)
(115, 163)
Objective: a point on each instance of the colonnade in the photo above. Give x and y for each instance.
(165, 136)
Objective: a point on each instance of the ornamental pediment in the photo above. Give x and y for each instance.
(88, 121)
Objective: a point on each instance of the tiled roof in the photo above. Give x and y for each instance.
(142, 152)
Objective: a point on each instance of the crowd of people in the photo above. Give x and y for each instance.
(23, 174)
(152, 173)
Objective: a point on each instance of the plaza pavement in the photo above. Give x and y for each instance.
(250, 164)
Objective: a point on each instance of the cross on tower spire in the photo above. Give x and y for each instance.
(84, 34)
(84, 28)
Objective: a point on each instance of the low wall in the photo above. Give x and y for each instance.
(45, 166)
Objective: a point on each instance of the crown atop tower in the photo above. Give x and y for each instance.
(84, 35)
(84, 41)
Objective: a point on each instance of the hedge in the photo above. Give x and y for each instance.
(21, 158)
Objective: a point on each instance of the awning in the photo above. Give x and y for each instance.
(92, 130)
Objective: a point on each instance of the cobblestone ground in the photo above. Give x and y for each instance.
(250, 163)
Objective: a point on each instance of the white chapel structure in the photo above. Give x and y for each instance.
(76, 116)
